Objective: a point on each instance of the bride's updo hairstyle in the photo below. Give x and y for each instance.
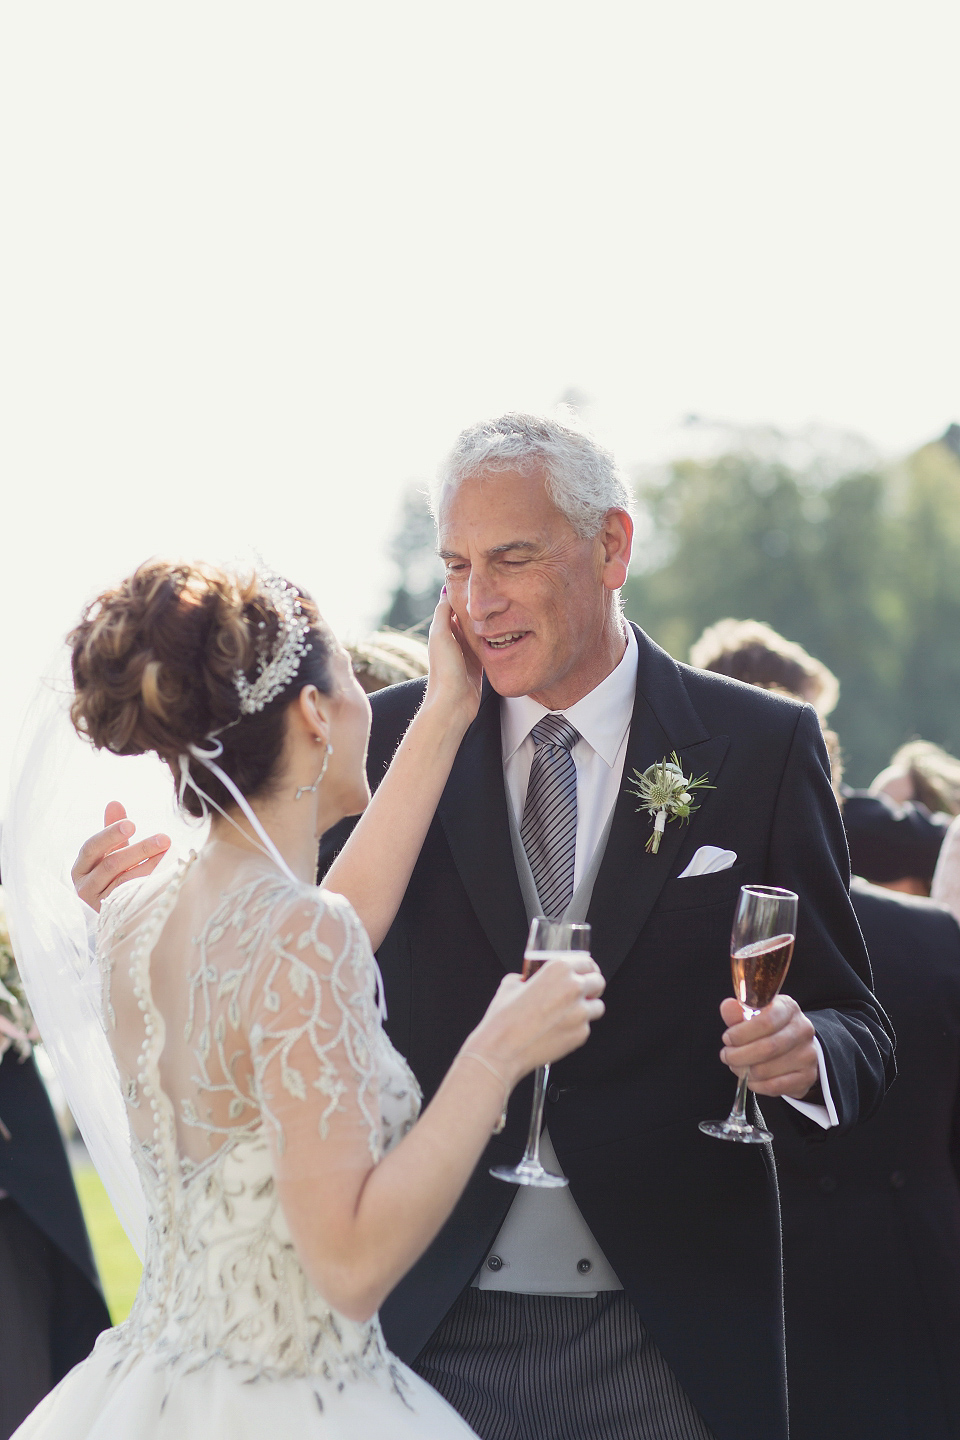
(155, 664)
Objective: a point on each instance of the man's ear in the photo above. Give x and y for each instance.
(617, 539)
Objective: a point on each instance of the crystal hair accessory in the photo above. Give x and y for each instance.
(275, 673)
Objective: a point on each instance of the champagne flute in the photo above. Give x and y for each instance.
(548, 939)
(761, 946)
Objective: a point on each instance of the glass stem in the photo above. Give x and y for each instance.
(738, 1115)
(531, 1156)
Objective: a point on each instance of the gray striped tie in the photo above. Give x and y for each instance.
(549, 827)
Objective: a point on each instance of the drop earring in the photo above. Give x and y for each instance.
(312, 789)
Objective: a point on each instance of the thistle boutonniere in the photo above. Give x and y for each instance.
(667, 794)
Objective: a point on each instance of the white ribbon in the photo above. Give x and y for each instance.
(209, 758)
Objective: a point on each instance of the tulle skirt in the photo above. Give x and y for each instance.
(147, 1400)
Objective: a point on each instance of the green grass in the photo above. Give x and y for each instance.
(115, 1256)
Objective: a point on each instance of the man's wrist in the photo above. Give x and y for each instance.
(823, 1113)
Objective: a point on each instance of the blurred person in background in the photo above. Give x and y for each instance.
(945, 886)
(388, 657)
(51, 1304)
(892, 844)
(894, 829)
(922, 773)
(897, 827)
(871, 1219)
(751, 651)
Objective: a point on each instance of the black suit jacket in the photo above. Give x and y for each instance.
(35, 1173)
(871, 1220)
(691, 1225)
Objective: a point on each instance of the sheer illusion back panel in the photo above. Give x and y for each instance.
(259, 1000)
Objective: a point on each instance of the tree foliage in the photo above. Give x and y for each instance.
(862, 569)
(413, 551)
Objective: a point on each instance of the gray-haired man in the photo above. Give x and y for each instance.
(645, 1300)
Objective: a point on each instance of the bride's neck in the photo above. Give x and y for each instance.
(293, 829)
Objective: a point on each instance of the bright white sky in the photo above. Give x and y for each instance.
(261, 261)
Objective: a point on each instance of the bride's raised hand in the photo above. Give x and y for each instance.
(374, 867)
(455, 672)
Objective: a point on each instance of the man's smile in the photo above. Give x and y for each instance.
(504, 642)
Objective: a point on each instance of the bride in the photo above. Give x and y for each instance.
(289, 1183)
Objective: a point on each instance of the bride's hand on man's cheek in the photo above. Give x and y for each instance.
(455, 672)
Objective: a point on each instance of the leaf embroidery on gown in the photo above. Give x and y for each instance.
(274, 1055)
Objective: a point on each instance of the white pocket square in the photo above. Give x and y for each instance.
(708, 860)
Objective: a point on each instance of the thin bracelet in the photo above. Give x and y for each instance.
(472, 1055)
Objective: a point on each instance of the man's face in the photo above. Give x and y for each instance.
(531, 596)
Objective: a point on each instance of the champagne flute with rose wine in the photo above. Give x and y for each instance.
(548, 938)
(761, 946)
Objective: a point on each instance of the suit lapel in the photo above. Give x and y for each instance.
(473, 813)
(629, 879)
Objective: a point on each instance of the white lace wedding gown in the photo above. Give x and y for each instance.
(250, 1047)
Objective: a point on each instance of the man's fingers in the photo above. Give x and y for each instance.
(776, 1046)
(764, 1062)
(777, 1074)
(768, 1047)
(775, 1056)
(102, 848)
(147, 867)
(741, 1031)
(796, 1084)
(129, 862)
(121, 862)
(92, 851)
(114, 812)
(731, 1012)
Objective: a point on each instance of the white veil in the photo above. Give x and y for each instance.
(59, 787)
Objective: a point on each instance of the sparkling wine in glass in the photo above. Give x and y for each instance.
(548, 938)
(761, 945)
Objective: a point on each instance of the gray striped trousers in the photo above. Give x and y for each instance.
(544, 1367)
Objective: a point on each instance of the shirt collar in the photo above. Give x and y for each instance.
(602, 717)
